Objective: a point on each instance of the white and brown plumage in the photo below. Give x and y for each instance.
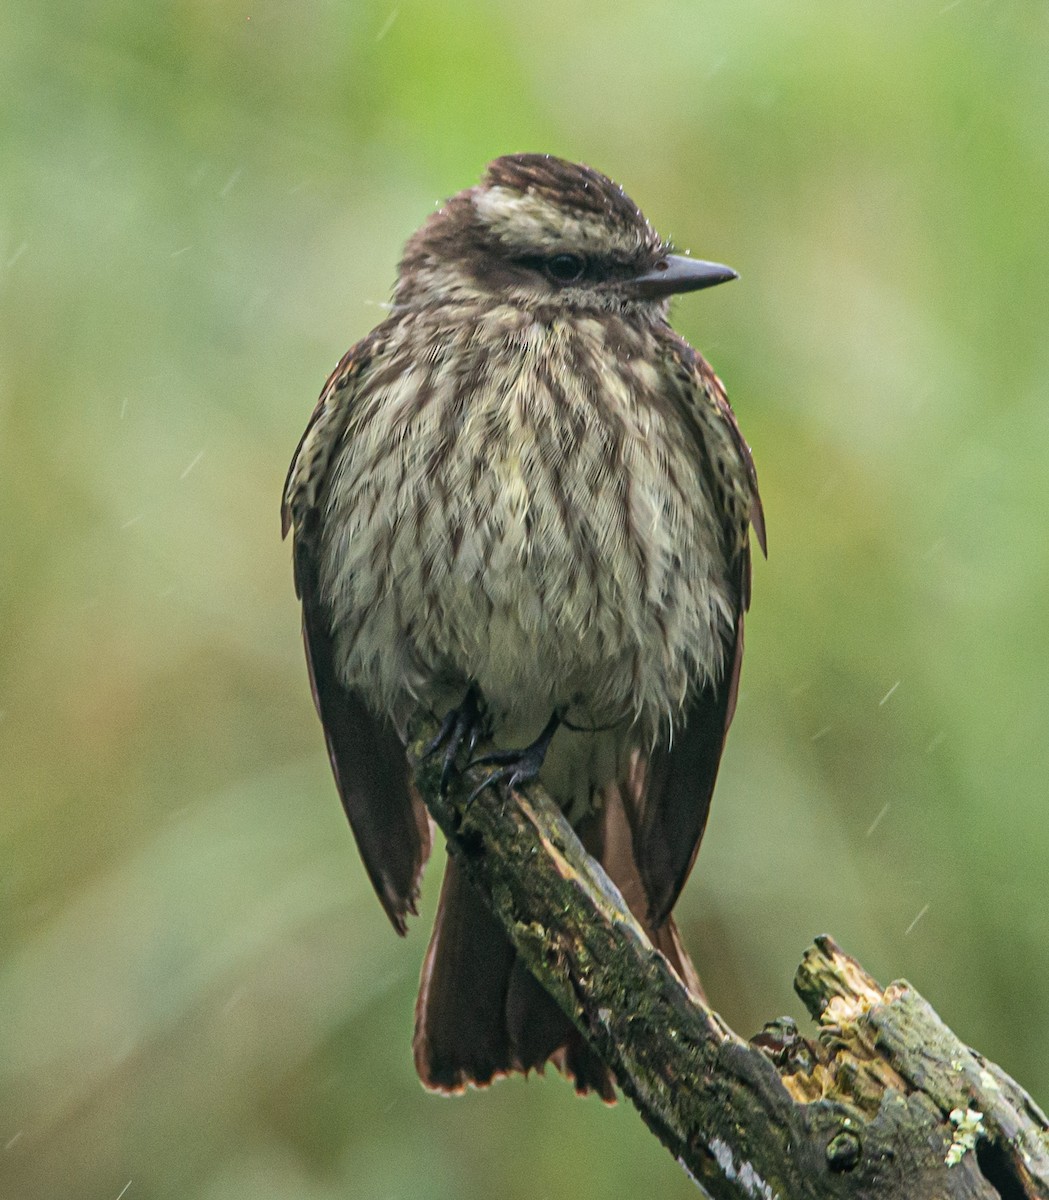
(524, 494)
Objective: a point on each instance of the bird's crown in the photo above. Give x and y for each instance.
(529, 199)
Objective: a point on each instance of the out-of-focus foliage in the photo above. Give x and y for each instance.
(201, 207)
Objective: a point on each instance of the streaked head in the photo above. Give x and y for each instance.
(538, 230)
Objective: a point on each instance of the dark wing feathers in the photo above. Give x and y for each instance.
(308, 471)
(388, 819)
(669, 825)
(671, 800)
(757, 512)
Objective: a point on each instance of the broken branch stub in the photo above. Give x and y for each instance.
(884, 1101)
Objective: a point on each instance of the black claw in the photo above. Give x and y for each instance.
(442, 735)
(462, 725)
(476, 733)
(516, 766)
(514, 777)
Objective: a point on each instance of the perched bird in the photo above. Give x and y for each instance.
(522, 504)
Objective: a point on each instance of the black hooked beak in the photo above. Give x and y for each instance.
(675, 273)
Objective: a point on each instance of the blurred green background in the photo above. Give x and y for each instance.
(202, 205)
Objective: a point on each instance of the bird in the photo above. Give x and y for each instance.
(523, 505)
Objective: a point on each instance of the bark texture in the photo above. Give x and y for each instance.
(884, 1101)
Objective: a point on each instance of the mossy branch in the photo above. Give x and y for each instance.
(884, 1102)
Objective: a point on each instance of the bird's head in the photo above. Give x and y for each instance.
(539, 231)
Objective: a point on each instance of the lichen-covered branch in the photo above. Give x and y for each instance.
(884, 1102)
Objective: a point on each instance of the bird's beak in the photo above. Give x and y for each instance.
(675, 273)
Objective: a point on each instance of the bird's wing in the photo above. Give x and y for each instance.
(673, 791)
(388, 819)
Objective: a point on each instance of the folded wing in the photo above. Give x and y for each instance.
(386, 815)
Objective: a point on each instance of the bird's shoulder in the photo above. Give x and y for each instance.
(705, 403)
(324, 431)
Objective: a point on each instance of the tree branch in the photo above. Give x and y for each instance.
(885, 1102)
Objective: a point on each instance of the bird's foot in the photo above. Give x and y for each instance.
(516, 767)
(462, 726)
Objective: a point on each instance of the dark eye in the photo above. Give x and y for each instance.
(565, 268)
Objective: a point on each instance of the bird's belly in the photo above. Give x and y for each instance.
(602, 596)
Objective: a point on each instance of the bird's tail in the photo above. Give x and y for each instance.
(481, 1014)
